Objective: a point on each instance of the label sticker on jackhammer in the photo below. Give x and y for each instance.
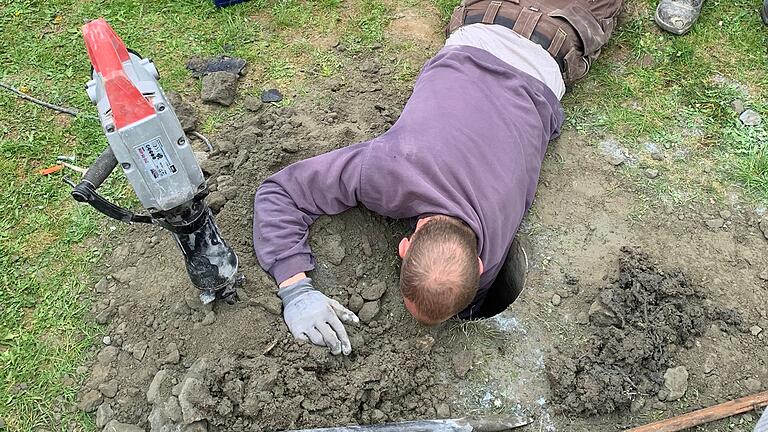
(155, 159)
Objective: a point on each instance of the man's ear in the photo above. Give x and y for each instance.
(402, 248)
(480, 264)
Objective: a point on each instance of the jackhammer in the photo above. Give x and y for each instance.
(147, 140)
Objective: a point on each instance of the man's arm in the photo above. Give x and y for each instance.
(286, 204)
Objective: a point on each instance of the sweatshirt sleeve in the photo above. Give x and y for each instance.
(288, 202)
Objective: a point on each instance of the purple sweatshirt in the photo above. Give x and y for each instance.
(468, 144)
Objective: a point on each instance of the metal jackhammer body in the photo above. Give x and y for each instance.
(147, 141)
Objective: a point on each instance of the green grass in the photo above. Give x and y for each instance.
(46, 265)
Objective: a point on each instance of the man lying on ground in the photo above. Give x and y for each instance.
(461, 162)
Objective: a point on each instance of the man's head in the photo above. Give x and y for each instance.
(441, 270)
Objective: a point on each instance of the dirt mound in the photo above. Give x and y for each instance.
(638, 324)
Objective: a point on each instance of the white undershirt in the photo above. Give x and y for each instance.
(513, 49)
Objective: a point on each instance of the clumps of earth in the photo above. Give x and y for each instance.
(638, 323)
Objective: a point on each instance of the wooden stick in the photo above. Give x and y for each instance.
(488, 424)
(706, 415)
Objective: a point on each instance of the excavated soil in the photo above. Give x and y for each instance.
(638, 324)
(167, 363)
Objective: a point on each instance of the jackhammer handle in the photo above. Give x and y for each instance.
(100, 169)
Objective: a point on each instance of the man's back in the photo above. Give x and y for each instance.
(468, 144)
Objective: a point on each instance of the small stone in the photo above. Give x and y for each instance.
(651, 173)
(714, 224)
(115, 426)
(662, 394)
(105, 316)
(107, 355)
(209, 319)
(378, 416)
(755, 330)
(676, 381)
(216, 200)
(636, 405)
(556, 300)
(424, 343)
(270, 303)
(183, 110)
(738, 106)
(709, 364)
(369, 311)
(104, 414)
(613, 152)
(355, 303)
(374, 291)
(198, 426)
(154, 388)
(599, 313)
(109, 388)
(750, 118)
(726, 214)
(753, 384)
(654, 150)
(462, 363)
(764, 275)
(582, 318)
(90, 401)
(106, 340)
(661, 406)
(219, 88)
(763, 225)
(443, 411)
(102, 285)
(194, 395)
(271, 95)
(253, 103)
(173, 356)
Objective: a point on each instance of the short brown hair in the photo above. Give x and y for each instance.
(440, 272)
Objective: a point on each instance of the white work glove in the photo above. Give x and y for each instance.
(313, 317)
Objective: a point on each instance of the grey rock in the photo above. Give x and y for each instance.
(219, 88)
(270, 303)
(184, 111)
(173, 409)
(582, 318)
(105, 316)
(253, 103)
(198, 426)
(102, 285)
(137, 350)
(661, 406)
(750, 118)
(90, 401)
(462, 363)
(654, 150)
(222, 63)
(355, 303)
(676, 382)
(160, 422)
(556, 300)
(104, 414)
(115, 426)
(763, 275)
(271, 95)
(753, 384)
(725, 214)
(763, 225)
(738, 106)
(755, 330)
(216, 201)
(374, 291)
(154, 387)
(335, 249)
(636, 405)
(662, 394)
(613, 152)
(106, 340)
(194, 395)
(173, 356)
(651, 173)
(209, 319)
(369, 311)
(109, 388)
(709, 364)
(443, 411)
(107, 355)
(715, 224)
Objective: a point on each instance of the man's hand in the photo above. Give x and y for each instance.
(311, 316)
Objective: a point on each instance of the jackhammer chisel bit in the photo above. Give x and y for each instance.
(147, 141)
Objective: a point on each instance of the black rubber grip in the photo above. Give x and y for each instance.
(100, 169)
